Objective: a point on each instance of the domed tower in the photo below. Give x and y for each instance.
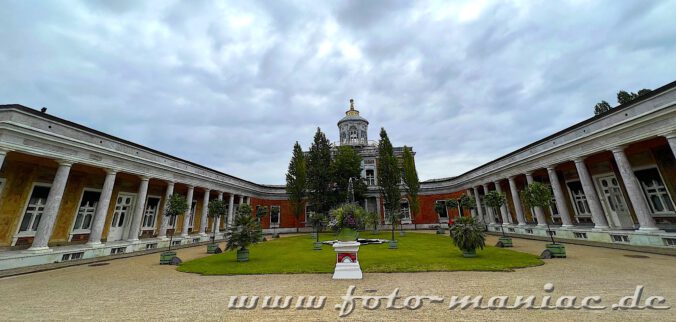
(353, 128)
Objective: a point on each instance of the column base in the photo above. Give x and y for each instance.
(649, 230)
(522, 224)
(600, 228)
(95, 244)
(43, 249)
(163, 238)
(567, 226)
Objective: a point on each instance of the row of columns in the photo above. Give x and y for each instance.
(646, 221)
(53, 203)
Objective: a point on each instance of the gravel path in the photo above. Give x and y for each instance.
(139, 289)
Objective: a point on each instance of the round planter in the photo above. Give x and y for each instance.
(441, 231)
(242, 255)
(275, 235)
(402, 233)
(506, 241)
(348, 234)
(469, 253)
(558, 250)
(314, 235)
(165, 257)
(393, 244)
(317, 246)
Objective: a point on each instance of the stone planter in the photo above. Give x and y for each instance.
(558, 250)
(393, 244)
(165, 257)
(402, 233)
(347, 262)
(211, 248)
(348, 234)
(317, 246)
(242, 255)
(275, 235)
(469, 253)
(506, 241)
(441, 231)
(314, 236)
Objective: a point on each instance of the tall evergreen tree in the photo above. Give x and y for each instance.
(389, 178)
(346, 164)
(319, 182)
(296, 182)
(411, 182)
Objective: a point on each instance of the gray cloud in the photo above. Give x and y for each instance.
(232, 85)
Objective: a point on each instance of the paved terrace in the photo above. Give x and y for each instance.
(137, 288)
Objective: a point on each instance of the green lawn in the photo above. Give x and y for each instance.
(417, 252)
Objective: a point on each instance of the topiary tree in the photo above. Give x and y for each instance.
(176, 206)
(463, 201)
(538, 194)
(467, 235)
(371, 219)
(316, 220)
(496, 200)
(216, 209)
(245, 232)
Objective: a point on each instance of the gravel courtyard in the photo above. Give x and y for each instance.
(138, 288)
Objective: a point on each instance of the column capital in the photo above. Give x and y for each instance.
(618, 148)
(190, 186)
(170, 182)
(579, 159)
(207, 190)
(65, 163)
(110, 171)
(671, 135)
(3, 151)
(144, 178)
(528, 173)
(551, 168)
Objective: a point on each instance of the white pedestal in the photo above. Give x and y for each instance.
(347, 262)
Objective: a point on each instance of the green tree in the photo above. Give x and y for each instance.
(318, 178)
(296, 182)
(411, 182)
(463, 201)
(495, 200)
(176, 206)
(624, 97)
(602, 107)
(216, 209)
(389, 178)
(346, 164)
(245, 231)
(538, 194)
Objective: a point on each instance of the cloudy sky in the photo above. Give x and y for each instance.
(232, 85)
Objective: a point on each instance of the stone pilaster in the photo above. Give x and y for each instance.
(645, 219)
(598, 216)
(186, 216)
(231, 210)
(520, 218)
(51, 210)
(478, 203)
(559, 197)
(135, 229)
(102, 209)
(205, 212)
(165, 219)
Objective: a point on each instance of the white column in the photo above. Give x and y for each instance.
(539, 213)
(478, 203)
(218, 219)
(186, 216)
(645, 220)
(205, 212)
(51, 210)
(135, 229)
(248, 200)
(241, 200)
(598, 216)
(672, 142)
(517, 201)
(559, 197)
(489, 211)
(231, 210)
(503, 208)
(165, 219)
(3, 153)
(473, 210)
(102, 209)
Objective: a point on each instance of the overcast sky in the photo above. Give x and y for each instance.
(233, 85)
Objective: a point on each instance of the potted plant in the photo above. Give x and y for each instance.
(440, 209)
(244, 232)
(393, 217)
(216, 209)
(468, 235)
(496, 200)
(176, 206)
(537, 194)
(349, 219)
(316, 220)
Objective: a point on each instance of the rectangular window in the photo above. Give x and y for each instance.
(529, 231)
(405, 212)
(443, 215)
(71, 256)
(86, 211)
(579, 200)
(150, 213)
(580, 235)
(151, 246)
(274, 216)
(118, 250)
(370, 177)
(620, 238)
(655, 192)
(34, 209)
(669, 241)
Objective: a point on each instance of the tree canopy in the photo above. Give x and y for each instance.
(296, 181)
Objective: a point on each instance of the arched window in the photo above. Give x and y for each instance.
(353, 134)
